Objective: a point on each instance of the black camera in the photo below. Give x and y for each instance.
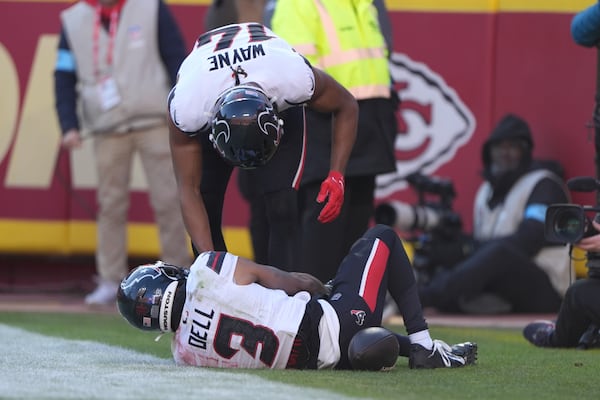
(423, 184)
(433, 211)
(438, 239)
(569, 223)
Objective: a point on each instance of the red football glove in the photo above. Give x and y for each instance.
(333, 188)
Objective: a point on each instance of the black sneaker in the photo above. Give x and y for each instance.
(466, 350)
(442, 355)
(539, 333)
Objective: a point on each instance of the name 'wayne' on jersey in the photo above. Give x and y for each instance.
(266, 59)
(227, 325)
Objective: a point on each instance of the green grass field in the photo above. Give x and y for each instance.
(507, 368)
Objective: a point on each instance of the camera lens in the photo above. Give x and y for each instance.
(569, 225)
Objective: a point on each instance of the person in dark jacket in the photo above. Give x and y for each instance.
(513, 268)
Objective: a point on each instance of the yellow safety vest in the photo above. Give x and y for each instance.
(341, 37)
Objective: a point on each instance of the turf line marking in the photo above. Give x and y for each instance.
(34, 366)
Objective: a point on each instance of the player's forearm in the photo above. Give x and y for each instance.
(343, 138)
(309, 283)
(331, 97)
(196, 220)
(345, 122)
(289, 282)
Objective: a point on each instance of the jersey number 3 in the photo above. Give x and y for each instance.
(251, 335)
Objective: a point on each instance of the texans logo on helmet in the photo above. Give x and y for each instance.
(268, 124)
(150, 271)
(220, 128)
(433, 123)
(359, 315)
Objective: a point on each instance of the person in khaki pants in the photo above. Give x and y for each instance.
(116, 62)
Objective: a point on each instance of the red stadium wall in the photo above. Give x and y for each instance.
(458, 69)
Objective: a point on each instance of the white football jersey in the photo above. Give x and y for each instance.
(256, 53)
(234, 326)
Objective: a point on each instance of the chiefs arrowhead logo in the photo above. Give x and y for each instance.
(433, 123)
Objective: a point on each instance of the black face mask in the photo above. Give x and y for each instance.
(502, 183)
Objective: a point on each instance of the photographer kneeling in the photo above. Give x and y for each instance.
(580, 310)
(514, 268)
(579, 316)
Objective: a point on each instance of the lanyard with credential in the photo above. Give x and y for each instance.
(106, 85)
(112, 32)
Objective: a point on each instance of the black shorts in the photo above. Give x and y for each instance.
(305, 351)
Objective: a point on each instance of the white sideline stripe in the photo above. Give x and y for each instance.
(33, 366)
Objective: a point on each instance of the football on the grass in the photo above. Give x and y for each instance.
(373, 349)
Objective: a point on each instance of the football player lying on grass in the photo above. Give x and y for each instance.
(230, 312)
